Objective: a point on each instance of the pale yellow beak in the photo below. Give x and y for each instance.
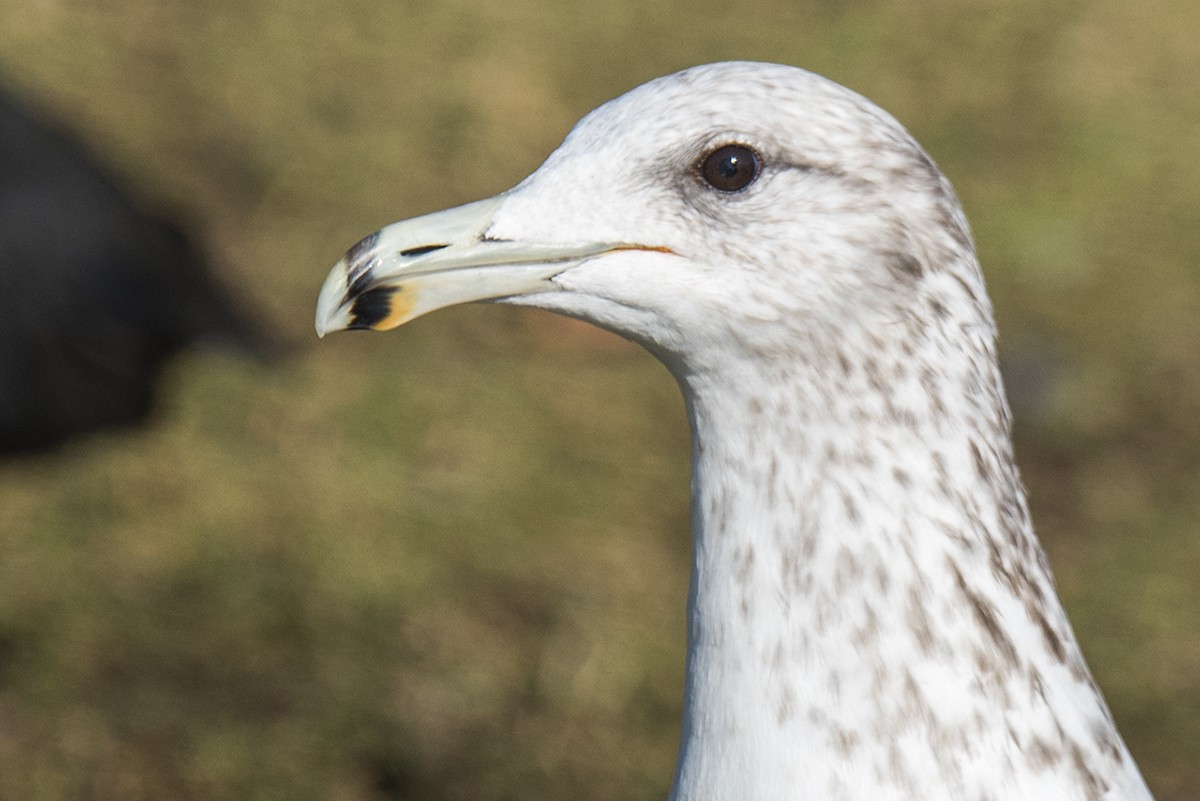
(420, 265)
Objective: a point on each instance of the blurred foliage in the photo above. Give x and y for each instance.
(450, 563)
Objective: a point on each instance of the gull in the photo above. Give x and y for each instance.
(871, 615)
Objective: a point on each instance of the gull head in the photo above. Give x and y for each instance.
(735, 208)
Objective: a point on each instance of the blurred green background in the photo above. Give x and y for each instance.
(451, 562)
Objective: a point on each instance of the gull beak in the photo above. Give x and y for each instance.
(417, 266)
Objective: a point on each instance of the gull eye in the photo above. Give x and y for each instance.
(730, 168)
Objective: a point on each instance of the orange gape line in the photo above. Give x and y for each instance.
(651, 248)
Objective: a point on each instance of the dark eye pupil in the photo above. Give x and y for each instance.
(730, 168)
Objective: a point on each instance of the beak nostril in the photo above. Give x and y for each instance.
(422, 250)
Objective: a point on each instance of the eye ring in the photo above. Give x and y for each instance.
(730, 168)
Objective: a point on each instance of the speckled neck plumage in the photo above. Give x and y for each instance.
(871, 616)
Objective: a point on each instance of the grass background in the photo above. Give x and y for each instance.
(450, 563)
